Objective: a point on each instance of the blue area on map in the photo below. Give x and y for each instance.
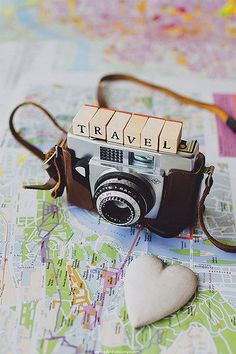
(81, 60)
(29, 17)
(166, 247)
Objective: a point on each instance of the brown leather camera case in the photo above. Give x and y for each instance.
(178, 208)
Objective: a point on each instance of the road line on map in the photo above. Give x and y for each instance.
(118, 273)
(6, 233)
(130, 250)
(64, 340)
(58, 288)
(44, 246)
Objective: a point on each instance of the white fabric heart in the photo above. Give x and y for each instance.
(154, 291)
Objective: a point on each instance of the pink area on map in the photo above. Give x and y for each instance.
(226, 138)
(89, 319)
(110, 279)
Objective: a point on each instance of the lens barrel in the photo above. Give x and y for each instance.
(122, 198)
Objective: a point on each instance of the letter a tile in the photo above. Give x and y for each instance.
(115, 128)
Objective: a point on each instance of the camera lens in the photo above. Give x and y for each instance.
(116, 211)
(123, 199)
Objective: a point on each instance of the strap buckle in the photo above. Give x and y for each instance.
(46, 164)
(209, 171)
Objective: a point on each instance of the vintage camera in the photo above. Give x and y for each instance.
(133, 169)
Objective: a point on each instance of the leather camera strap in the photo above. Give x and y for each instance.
(228, 120)
(36, 151)
(54, 162)
(201, 208)
(224, 116)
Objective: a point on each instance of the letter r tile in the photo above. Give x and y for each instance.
(98, 124)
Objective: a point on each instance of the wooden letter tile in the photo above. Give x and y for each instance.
(150, 133)
(170, 137)
(80, 123)
(133, 129)
(115, 128)
(97, 125)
